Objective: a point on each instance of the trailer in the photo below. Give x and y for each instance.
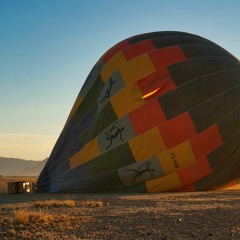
(21, 187)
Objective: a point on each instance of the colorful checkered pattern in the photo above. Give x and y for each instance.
(158, 112)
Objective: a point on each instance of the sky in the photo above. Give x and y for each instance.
(48, 47)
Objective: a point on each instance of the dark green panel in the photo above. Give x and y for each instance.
(98, 182)
(222, 176)
(91, 78)
(114, 159)
(88, 184)
(105, 118)
(81, 134)
(215, 109)
(44, 181)
(230, 124)
(196, 92)
(77, 139)
(199, 50)
(90, 100)
(225, 152)
(226, 170)
(193, 68)
(166, 41)
(142, 37)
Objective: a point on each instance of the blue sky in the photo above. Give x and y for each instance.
(48, 47)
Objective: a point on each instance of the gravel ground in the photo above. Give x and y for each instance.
(195, 215)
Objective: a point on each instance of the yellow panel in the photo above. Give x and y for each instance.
(91, 150)
(112, 65)
(137, 68)
(147, 144)
(163, 184)
(74, 108)
(177, 157)
(126, 100)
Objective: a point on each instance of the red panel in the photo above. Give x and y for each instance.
(177, 130)
(195, 172)
(138, 48)
(206, 142)
(146, 117)
(167, 56)
(159, 79)
(112, 51)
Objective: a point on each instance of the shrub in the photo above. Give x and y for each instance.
(93, 203)
(27, 216)
(55, 203)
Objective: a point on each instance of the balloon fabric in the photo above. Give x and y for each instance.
(158, 112)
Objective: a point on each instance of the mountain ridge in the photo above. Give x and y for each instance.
(20, 167)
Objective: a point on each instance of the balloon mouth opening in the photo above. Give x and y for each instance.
(150, 93)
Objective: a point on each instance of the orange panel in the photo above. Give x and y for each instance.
(194, 172)
(113, 64)
(147, 145)
(112, 51)
(137, 68)
(148, 116)
(138, 48)
(90, 151)
(177, 130)
(126, 100)
(176, 158)
(206, 142)
(163, 184)
(167, 56)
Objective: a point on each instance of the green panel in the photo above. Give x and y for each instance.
(142, 37)
(225, 152)
(161, 42)
(114, 159)
(215, 109)
(91, 78)
(198, 50)
(105, 118)
(90, 100)
(191, 69)
(190, 95)
(226, 164)
(98, 183)
(230, 124)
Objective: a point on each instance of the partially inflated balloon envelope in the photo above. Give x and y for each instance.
(158, 112)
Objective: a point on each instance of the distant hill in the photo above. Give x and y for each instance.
(20, 167)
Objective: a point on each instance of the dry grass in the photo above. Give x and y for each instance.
(93, 203)
(29, 217)
(47, 221)
(46, 215)
(55, 203)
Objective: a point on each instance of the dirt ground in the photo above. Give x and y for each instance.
(193, 215)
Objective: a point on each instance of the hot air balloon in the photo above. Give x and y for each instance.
(158, 112)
